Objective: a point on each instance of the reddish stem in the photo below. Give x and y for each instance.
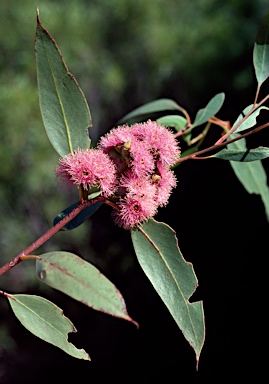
(51, 232)
(196, 155)
(255, 106)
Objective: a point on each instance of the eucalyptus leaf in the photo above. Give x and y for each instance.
(251, 174)
(243, 155)
(261, 51)
(173, 278)
(250, 121)
(63, 106)
(148, 109)
(46, 321)
(210, 110)
(80, 218)
(82, 281)
(175, 121)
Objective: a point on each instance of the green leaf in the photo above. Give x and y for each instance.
(79, 219)
(251, 175)
(210, 110)
(63, 106)
(175, 121)
(46, 321)
(172, 277)
(150, 108)
(243, 156)
(261, 51)
(82, 281)
(250, 121)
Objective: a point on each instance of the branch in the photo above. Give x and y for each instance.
(51, 232)
(216, 146)
(231, 131)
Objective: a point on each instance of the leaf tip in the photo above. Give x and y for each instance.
(133, 322)
(37, 16)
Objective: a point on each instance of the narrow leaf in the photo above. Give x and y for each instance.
(175, 121)
(79, 219)
(172, 277)
(150, 108)
(63, 106)
(261, 51)
(243, 155)
(82, 281)
(251, 175)
(250, 121)
(46, 321)
(210, 110)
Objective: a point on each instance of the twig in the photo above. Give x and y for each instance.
(51, 232)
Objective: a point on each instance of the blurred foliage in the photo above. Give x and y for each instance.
(123, 54)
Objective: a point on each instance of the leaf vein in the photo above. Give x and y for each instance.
(174, 279)
(36, 314)
(59, 98)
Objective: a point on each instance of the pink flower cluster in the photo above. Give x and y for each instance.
(89, 168)
(131, 165)
(143, 154)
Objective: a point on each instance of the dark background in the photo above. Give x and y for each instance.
(124, 54)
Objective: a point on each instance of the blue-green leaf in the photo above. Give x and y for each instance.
(210, 110)
(46, 321)
(243, 155)
(261, 51)
(79, 219)
(82, 281)
(175, 121)
(251, 174)
(250, 121)
(172, 277)
(148, 109)
(63, 106)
